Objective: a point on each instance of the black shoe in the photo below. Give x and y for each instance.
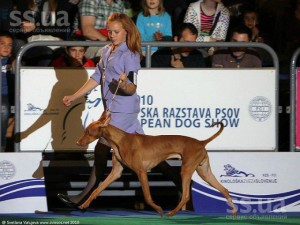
(66, 200)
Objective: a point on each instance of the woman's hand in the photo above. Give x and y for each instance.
(123, 80)
(127, 89)
(68, 100)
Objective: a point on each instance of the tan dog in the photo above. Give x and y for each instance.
(142, 152)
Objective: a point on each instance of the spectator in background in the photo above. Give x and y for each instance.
(237, 57)
(251, 20)
(154, 23)
(91, 21)
(236, 8)
(73, 56)
(44, 17)
(41, 21)
(211, 18)
(182, 57)
(7, 87)
(7, 7)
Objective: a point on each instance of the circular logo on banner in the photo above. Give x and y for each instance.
(260, 108)
(7, 170)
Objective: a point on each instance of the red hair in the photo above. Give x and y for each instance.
(133, 39)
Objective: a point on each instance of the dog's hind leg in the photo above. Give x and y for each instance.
(204, 171)
(187, 170)
(115, 173)
(143, 178)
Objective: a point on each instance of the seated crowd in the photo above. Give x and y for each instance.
(86, 20)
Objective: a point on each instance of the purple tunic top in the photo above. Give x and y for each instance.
(124, 108)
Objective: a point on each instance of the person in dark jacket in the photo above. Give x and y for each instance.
(237, 57)
(183, 57)
(7, 83)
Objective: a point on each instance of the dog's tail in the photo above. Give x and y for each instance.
(216, 134)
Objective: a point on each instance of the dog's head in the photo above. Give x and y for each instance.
(95, 129)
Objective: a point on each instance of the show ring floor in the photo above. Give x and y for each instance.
(132, 217)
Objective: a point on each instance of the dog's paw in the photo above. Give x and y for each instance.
(171, 213)
(160, 211)
(85, 205)
(234, 213)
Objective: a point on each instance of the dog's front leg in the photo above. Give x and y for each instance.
(115, 173)
(143, 178)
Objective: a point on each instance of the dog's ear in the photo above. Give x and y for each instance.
(106, 121)
(105, 118)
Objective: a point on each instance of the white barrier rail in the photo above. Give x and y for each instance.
(293, 86)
